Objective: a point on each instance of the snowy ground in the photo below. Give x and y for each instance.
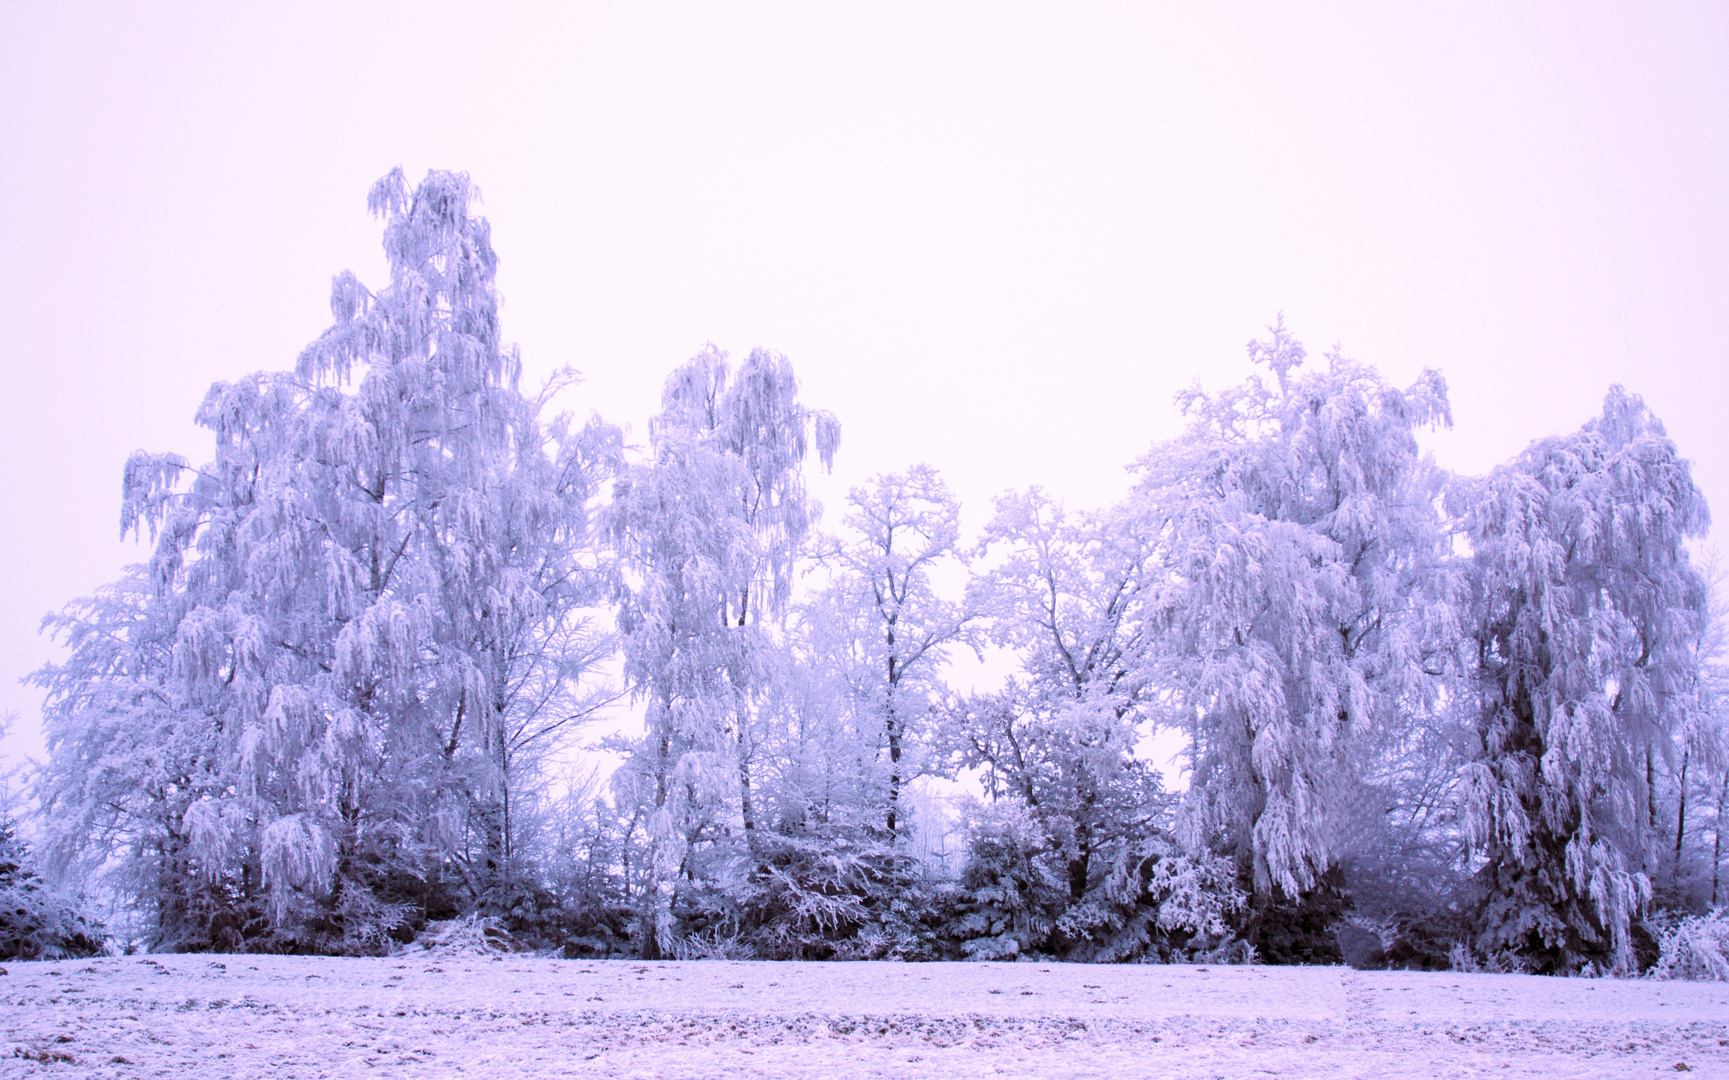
(202, 1017)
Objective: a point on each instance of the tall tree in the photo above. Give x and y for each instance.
(903, 527)
(1585, 615)
(1061, 590)
(711, 525)
(1703, 749)
(362, 611)
(1075, 855)
(1300, 598)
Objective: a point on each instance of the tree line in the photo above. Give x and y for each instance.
(1479, 717)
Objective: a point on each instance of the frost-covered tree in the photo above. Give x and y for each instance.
(128, 756)
(710, 524)
(37, 920)
(1693, 775)
(903, 527)
(1060, 591)
(1300, 599)
(1075, 853)
(356, 621)
(1585, 613)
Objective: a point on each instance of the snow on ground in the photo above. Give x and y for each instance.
(201, 1017)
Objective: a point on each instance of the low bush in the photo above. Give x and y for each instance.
(38, 922)
(1694, 947)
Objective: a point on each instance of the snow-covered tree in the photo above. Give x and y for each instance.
(37, 920)
(1694, 776)
(357, 618)
(1585, 613)
(710, 525)
(903, 527)
(128, 755)
(1075, 854)
(1300, 599)
(1060, 591)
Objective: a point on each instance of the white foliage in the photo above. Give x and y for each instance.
(1585, 614)
(1695, 947)
(711, 525)
(1197, 893)
(1300, 597)
(376, 592)
(295, 853)
(208, 837)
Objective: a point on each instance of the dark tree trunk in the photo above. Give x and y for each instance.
(1681, 814)
(1717, 841)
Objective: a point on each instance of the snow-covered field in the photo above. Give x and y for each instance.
(199, 1017)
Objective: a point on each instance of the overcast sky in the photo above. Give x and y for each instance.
(993, 237)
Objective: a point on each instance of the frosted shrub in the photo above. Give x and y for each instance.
(1155, 904)
(1147, 900)
(475, 935)
(1696, 947)
(1459, 958)
(1196, 894)
(370, 926)
(38, 922)
(1012, 895)
(832, 893)
(42, 924)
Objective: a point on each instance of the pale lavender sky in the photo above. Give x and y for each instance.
(994, 237)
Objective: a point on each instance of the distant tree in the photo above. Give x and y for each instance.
(1061, 591)
(903, 526)
(1697, 771)
(1299, 604)
(1585, 613)
(1074, 855)
(360, 621)
(826, 742)
(710, 526)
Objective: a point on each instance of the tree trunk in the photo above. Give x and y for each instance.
(892, 728)
(745, 805)
(657, 897)
(1681, 814)
(1650, 790)
(1717, 843)
(494, 827)
(1080, 868)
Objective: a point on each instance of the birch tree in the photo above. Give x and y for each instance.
(1301, 598)
(1585, 615)
(359, 613)
(711, 525)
